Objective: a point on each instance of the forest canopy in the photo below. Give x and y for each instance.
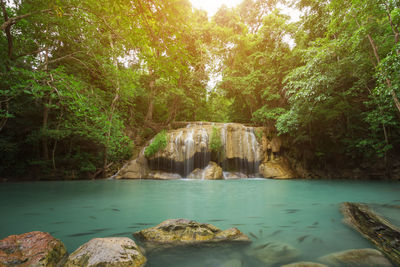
(85, 83)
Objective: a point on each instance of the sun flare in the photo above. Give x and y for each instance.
(212, 6)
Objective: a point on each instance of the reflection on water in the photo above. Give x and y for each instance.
(302, 214)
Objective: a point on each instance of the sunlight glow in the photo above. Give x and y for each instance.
(212, 6)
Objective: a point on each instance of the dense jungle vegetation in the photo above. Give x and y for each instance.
(84, 82)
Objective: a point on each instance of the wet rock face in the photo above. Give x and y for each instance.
(113, 251)
(274, 253)
(277, 169)
(182, 232)
(31, 249)
(245, 150)
(356, 257)
(135, 169)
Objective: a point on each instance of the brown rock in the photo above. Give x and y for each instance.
(277, 169)
(135, 169)
(211, 172)
(159, 175)
(181, 232)
(31, 249)
(276, 144)
(109, 252)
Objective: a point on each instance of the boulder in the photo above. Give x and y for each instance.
(234, 175)
(196, 174)
(182, 232)
(277, 169)
(158, 175)
(111, 251)
(274, 253)
(304, 264)
(212, 172)
(356, 257)
(135, 169)
(32, 249)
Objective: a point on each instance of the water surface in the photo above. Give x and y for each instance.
(302, 213)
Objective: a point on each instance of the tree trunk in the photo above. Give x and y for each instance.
(113, 106)
(46, 105)
(388, 81)
(395, 30)
(45, 148)
(150, 110)
(384, 235)
(7, 30)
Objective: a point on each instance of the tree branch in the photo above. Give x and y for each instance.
(11, 21)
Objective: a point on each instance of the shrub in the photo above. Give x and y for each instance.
(159, 143)
(215, 142)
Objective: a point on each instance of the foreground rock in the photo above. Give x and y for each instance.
(31, 249)
(274, 253)
(304, 264)
(181, 232)
(357, 257)
(112, 251)
(385, 236)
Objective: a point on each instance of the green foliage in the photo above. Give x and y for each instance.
(215, 140)
(259, 134)
(79, 77)
(159, 142)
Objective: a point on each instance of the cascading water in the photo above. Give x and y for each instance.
(188, 151)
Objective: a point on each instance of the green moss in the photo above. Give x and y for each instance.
(259, 134)
(215, 142)
(159, 143)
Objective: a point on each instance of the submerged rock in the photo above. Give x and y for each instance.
(232, 263)
(277, 169)
(305, 264)
(31, 249)
(356, 257)
(112, 251)
(182, 232)
(274, 253)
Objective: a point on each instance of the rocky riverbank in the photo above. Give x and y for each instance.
(175, 237)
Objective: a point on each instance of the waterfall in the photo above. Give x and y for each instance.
(188, 151)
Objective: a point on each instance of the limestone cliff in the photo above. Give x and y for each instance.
(188, 153)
